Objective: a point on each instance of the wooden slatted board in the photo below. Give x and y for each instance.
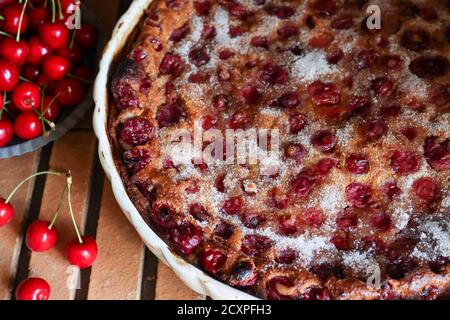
(125, 269)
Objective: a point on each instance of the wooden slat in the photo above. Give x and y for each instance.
(12, 171)
(117, 272)
(76, 152)
(169, 287)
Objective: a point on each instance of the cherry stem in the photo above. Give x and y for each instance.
(61, 16)
(69, 190)
(5, 109)
(55, 216)
(2, 18)
(50, 103)
(19, 30)
(29, 178)
(5, 34)
(53, 11)
(24, 79)
(51, 124)
(72, 40)
(4, 105)
(71, 75)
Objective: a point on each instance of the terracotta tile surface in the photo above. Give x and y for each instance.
(76, 152)
(117, 272)
(12, 171)
(169, 287)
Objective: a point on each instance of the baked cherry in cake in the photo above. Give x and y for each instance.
(355, 203)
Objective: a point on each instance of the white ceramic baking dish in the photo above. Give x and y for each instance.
(194, 278)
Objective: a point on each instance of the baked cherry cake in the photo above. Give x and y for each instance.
(357, 203)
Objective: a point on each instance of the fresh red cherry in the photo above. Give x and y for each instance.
(74, 53)
(38, 16)
(83, 254)
(51, 109)
(44, 81)
(6, 134)
(39, 237)
(15, 52)
(6, 212)
(83, 72)
(56, 67)
(33, 289)
(87, 36)
(30, 72)
(28, 126)
(9, 76)
(70, 92)
(4, 3)
(11, 22)
(54, 35)
(65, 4)
(26, 96)
(38, 50)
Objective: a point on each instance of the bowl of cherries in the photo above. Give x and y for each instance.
(49, 52)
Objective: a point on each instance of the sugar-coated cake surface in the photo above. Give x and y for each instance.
(355, 205)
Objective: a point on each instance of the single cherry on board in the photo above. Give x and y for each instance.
(41, 236)
(6, 212)
(33, 289)
(82, 254)
(82, 251)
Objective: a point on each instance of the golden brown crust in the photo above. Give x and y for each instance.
(280, 63)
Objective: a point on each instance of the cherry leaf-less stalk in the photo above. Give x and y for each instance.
(55, 173)
(69, 199)
(6, 209)
(82, 251)
(60, 13)
(19, 30)
(53, 10)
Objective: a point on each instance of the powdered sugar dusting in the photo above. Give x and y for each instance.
(344, 136)
(360, 262)
(434, 240)
(197, 27)
(403, 207)
(309, 246)
(331, 198)
(312, 65)
(415, 86)
(222, 24)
